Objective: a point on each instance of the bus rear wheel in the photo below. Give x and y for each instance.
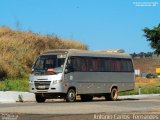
(113, 95)
(40, 98)
(71, 95)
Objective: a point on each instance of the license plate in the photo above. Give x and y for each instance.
(41, 87)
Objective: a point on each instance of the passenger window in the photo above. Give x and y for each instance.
(78, 64)
(130, 66)
(117, 65)
(100, 65)
(89, 64)
(127, 65)
(83, 65)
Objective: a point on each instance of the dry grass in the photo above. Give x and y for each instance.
(143, 81)
(146, 83)
(19, 50)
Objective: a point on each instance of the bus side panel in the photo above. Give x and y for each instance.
(100, 82)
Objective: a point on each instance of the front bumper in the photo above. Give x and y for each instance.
(46, 87)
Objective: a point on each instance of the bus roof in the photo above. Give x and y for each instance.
(119, 53)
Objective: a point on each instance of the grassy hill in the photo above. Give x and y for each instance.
(19, 49)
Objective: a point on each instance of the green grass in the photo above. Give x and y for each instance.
(153, 88)
(14, 85)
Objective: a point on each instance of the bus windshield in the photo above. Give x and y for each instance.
(49, 63)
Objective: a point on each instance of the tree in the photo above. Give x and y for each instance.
(153, 36)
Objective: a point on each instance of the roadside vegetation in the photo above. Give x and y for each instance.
(153, 37)
(16, 84)
(146, 86)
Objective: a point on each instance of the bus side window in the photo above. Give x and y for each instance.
(127, 65)
(83, 65)
(79, 64)
(89, 64)
(69, 67)
(130, 66)
(106, 65)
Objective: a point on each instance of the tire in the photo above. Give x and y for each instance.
(113, 95)
(71, 95)
(40, 98)
(86, 98)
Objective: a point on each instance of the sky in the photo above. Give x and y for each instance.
(100, 24)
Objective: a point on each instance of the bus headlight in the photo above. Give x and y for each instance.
(57, 81)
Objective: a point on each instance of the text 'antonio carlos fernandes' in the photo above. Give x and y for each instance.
(127, 116)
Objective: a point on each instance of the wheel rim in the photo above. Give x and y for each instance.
(71, 95)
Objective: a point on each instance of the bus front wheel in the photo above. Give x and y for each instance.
(71, 95)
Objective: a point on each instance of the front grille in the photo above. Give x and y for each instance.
(42, 85)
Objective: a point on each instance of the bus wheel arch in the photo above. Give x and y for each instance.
(71, 94)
